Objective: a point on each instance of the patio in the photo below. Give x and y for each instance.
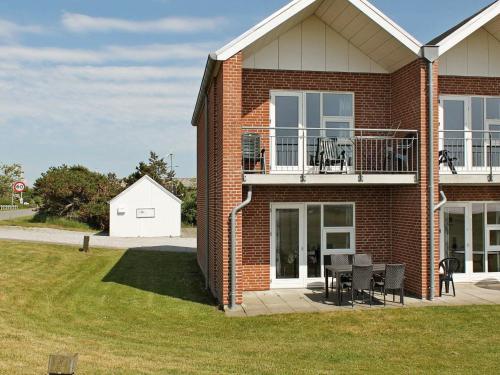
(288, 301)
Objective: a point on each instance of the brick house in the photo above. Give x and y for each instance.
(328, 129)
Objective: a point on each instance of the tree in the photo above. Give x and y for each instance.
(9, 173)
(77, 193)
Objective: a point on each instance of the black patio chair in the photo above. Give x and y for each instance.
(252, 153)
(362, 279)
(445, 158)
(393, 279)
(362, 260)
(328, 154)
(339, 260)
(449, 267)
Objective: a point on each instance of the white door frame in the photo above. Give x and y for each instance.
(467, 167)
(300, 126)
(288, 283)
(469, 275)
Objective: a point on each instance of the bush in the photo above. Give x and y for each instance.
(189, 208)
(77, 193)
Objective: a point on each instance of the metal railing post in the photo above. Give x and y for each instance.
(490, 158)
(360, 178)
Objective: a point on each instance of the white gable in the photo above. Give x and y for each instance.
(478, 55)
(143, 183)
(311, 46)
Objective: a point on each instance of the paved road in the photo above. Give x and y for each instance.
(12, 214)
(76, 238)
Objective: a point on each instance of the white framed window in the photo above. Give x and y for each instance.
(338, 229)
(300, 118)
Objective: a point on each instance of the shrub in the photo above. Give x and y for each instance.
(77, 193)
(189, 208)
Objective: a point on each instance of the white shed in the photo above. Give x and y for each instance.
(145, 209)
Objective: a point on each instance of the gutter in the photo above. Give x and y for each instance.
(211, 68)
(234, 212)
(431, 54)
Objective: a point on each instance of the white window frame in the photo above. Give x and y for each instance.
(467, 99)
(304, 280)
(302, 132)
(470, 275)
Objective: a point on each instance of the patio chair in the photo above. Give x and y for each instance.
(445, 158)
(393, 280)
(449, 267)
(403, 150)
(362, 259)
(252, 153)
(362, 279)
(328, 154)
(340, 260)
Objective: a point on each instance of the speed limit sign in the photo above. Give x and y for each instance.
(19, 187)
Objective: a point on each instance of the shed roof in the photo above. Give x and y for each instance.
(150, 180)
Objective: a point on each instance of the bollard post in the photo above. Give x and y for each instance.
(86, 242)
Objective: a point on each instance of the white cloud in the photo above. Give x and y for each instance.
(82, 23)
(143, 53)
(10, 30)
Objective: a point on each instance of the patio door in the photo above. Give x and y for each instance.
(288, 269)
(455, 234)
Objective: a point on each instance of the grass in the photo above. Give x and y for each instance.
(39, 221)
(132, 312)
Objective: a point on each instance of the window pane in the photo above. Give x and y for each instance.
(494, 237)
(314, 241)
(313, 120)
(338, 216)
(338, 241)
(337, 105)
(454, 123)
(493, 108)
(333, 130)
(493, 213)
(287, 116)
(478, 237)
(478, 136)
(287, 243)
(454, 235)
(494, 262)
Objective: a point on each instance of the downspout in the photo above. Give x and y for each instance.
(234, 212)
(431, 53)
(207, 199)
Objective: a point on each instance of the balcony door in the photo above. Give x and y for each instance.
(286, 122)
(454, 126)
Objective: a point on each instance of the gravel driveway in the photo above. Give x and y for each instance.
(76, 238)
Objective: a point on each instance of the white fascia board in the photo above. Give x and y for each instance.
(469, 28)
(262, 28)
(388, 25)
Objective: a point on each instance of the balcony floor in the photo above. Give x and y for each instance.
(329, 179)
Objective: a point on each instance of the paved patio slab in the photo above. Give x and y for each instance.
(288, 301)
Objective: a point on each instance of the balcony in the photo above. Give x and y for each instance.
(469, 157)
(318, 156)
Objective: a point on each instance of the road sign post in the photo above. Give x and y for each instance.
(18, 187)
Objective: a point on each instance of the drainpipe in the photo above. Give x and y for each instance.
(232, 303)
(431, 53)
(207, 199)
(443, 201)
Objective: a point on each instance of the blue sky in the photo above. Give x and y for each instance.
(100, 83)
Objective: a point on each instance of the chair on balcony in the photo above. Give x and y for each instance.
(445, 158)
(403, 151)
(328, 154)
(252, 153)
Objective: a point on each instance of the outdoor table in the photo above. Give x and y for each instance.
(343, 269)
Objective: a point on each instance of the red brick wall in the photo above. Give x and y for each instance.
(472, 193)
(372, 219)
(457, 85)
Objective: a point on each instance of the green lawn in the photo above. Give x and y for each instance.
(146, 313)
(47, 222)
